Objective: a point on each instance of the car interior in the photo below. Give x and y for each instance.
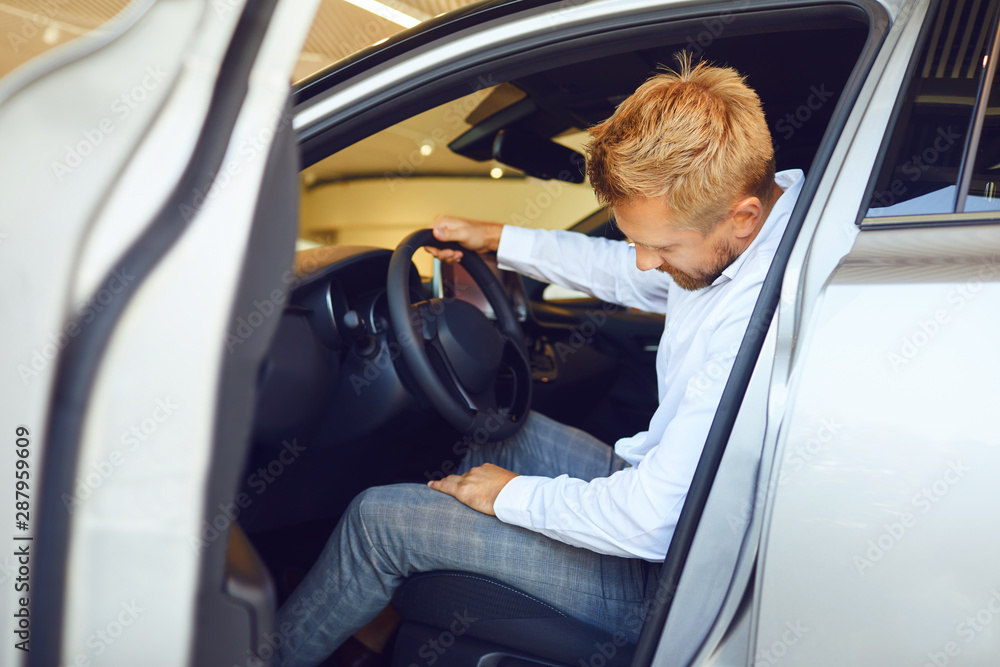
(339, 408)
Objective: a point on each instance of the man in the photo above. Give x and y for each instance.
(687, 166)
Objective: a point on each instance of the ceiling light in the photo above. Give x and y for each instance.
(386, 12)
(426, 149)
(51, 35)
(496, 172)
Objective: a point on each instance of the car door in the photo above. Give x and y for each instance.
(879, 546)
(148, 181)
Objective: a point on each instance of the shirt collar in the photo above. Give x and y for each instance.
(790, 182)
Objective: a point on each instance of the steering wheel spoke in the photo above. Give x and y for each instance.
(425, 318)
(447, 372)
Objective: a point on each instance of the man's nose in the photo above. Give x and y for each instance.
(646, 259)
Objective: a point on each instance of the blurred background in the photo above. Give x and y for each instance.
(395, 181)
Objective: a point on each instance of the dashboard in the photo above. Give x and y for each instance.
(334, 356)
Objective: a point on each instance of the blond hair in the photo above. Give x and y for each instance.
(696, 138)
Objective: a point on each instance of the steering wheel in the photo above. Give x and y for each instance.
(453, 352)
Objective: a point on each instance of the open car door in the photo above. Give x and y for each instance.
(150, 196)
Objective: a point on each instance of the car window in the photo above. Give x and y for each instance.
(922, 165)
(32, 27)
(396, 181)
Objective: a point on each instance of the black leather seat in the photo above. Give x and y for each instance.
(462, 618)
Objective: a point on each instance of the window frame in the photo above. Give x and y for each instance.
(957, 216)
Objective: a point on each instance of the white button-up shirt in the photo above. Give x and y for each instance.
(633, 512)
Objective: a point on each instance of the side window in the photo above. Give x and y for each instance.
(922, 171)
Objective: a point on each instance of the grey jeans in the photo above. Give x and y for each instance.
(391, 532)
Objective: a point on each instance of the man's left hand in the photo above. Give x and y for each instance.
(477, 488)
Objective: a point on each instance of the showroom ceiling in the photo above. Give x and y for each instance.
(342, 27)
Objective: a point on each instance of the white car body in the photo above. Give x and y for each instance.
(851, 517)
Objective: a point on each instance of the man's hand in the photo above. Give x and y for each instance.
(475, 235)
(477, 488)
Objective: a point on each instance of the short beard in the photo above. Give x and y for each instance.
(725, 254)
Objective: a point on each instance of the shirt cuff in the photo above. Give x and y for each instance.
(515, 245)
(511, 504)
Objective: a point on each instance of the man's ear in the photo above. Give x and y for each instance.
(745, 215)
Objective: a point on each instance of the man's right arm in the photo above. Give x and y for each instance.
(602, 268)
(477, 235)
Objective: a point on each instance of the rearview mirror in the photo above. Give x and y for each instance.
(538, 157)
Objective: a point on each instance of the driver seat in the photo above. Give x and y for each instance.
(463, 619)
